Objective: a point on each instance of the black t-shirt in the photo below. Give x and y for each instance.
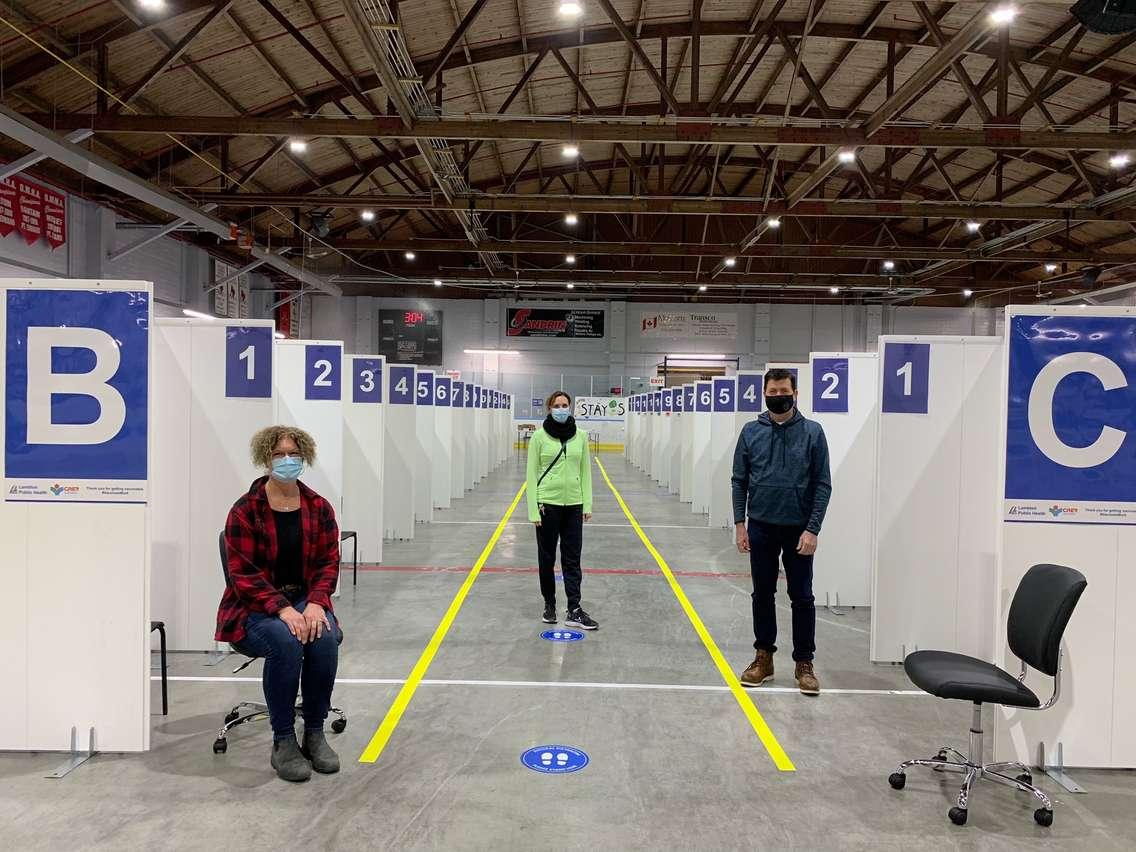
(289, 569)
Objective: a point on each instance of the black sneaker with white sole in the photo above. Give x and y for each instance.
(549, 616)
(579, 618)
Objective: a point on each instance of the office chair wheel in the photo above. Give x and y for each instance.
(220, 746)
(339, 725)
(1043, 817)
(957, 815)
(898, 780)
(231, 717)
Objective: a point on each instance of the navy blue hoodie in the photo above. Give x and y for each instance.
(781, 473)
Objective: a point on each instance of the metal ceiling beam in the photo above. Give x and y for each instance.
(813, 251)
(637, 49)
(99, 169)
(870, 208)
(579, 129)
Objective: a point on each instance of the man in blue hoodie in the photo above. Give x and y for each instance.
(782, 484)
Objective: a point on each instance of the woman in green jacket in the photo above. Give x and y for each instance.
(560, 500)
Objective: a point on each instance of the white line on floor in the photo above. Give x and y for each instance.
(590, 525)
(680, 687)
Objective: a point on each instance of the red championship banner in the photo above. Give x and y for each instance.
(8, 203)
(54, 217)
(30, 221)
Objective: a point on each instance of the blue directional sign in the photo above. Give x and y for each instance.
(563, 635)
(555, 759)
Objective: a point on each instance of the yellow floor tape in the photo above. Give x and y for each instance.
(760, 727)
(394, 715)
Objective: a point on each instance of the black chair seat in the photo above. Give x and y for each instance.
(948, 675)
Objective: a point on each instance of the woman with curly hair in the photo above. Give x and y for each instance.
(282, 543)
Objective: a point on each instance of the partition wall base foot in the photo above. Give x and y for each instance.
(1057, 771)
(834, 608)
(77, 758)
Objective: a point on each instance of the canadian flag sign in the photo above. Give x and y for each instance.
(35, 211)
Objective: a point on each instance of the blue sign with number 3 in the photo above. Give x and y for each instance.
(367, 380)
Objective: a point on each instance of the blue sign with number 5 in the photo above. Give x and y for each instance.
(424, 388)
(725, 391)
(906, 377)
(830, 385)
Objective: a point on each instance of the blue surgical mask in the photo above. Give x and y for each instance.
(561, 415)
(287, 469)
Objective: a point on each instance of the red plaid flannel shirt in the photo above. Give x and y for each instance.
(250, 539)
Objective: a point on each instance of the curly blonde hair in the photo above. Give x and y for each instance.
(265, 441)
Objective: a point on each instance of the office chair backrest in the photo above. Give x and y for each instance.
(1039, 613)
(224, 556)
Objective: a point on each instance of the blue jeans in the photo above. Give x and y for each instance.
(770, 544)
(288, 664)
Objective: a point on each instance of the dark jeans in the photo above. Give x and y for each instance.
(288, 664)
(566, 525)
(769, 544)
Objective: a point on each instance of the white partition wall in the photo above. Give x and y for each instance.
(936, 477)
(400, 453)
(443, 456)
(470, 413)
(674, 448)
(483, 433)
(307, 392)
(702, 464)
(74, 516)
(723, 440)
(844, 401)
(659, 468)
(459, 424)
(212, 392)
(1067, 496)
(686, 438)
(423, 474)
(666, 434)
(364, 445)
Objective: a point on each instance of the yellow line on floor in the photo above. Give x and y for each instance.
(760, 727)
(394, 715)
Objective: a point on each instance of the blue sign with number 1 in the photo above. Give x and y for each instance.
(907, 368)
(248, 362)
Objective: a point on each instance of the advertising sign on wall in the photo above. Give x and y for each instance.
(555, 322)
(77, 374)
(33, 210)
(688, 324)
(1071, 419)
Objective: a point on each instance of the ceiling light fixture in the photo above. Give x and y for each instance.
(968, 293)
(846, 156)
(834, 290)
(512, 352)
(152, 5)
(409, 255)
(1119, 161)
(1003, 14)
(973, 227)
(571, 286)
(298, 146)
(889, 265)
(189, 312)
(570, 9)
(437, 282)
(730, 261)
(570, 150)
(571, 219)
(774, 222)
(367, 215)
(701, 288)
(1051, 268)
(570, 259)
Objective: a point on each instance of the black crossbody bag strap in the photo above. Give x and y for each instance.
(563, 452)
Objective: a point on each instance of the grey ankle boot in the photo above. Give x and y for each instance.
(289, 763)
(316, 749)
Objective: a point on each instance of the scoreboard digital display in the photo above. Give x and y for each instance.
(411, 337)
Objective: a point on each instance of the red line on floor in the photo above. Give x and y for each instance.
(531, 569)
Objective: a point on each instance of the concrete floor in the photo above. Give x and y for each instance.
(674, 762)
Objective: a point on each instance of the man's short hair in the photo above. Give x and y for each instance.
(777, 375)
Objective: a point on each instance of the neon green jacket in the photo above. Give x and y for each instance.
(569, 483)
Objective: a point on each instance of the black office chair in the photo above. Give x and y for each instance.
(256, 710)
(1041, 608)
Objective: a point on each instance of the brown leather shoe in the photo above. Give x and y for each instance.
(806, 679)
(759, 671)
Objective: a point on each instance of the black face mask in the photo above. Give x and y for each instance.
(779, 404)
